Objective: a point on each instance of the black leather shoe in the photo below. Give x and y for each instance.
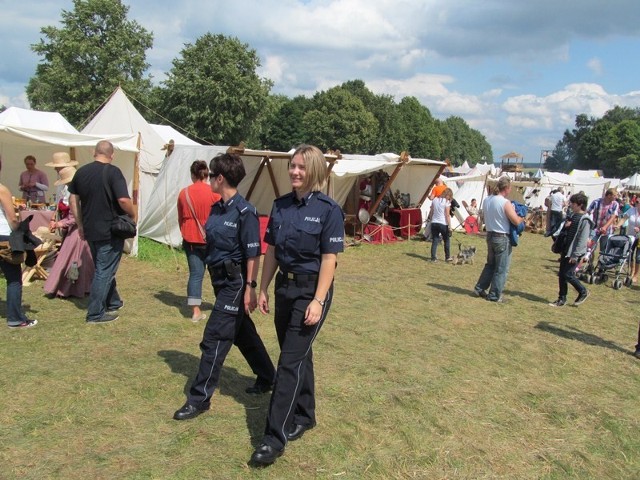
(188, 411)
(258, 388)
(298, 430)
(265, 455)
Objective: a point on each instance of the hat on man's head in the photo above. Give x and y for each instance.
(66, 175)
(61, 159)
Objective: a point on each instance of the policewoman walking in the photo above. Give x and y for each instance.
(305, 235)
(233, 253)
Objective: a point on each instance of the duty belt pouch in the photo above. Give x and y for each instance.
(233, 269)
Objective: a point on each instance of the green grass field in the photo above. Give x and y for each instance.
(416, 378)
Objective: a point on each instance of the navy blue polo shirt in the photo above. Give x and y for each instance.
(302, 230)
(233, 232)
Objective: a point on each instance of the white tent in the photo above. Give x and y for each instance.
(261, 187)
(593, 187)
(633, 182)
(119, 115)
(23, 118)
(18, 142)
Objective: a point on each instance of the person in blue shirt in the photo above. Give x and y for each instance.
(305, 234)
(232, 257)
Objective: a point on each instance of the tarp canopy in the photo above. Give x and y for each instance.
(16, 143)
(592, 187)
(23, 118)
(161, 222)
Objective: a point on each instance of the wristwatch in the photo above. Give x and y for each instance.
(252, 284)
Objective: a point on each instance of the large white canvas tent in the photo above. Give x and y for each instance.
(19, 139)
(593, 187)
(119, 115)
(262, 185)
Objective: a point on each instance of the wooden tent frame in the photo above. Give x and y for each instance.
(266, 157)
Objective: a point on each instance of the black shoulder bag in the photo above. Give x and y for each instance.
(122, 226)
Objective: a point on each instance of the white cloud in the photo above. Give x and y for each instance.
(595, 65)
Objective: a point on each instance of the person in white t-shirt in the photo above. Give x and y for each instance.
(440, 217)
(557, 203)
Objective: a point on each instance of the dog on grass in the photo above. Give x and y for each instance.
(465, 255)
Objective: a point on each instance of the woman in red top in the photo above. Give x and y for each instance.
(194, 206)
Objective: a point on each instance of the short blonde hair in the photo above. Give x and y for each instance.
(315, 167)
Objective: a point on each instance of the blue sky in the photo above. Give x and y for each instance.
(517, 71)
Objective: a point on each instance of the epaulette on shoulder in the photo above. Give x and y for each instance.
(326, 198)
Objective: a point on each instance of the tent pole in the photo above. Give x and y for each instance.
(256, 177)
(136, 177)
(272, 175)
(426, 192)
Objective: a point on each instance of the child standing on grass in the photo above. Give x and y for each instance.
(578, 227)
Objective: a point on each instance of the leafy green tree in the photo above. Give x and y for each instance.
(94, 51)
(421, 136)
(286, 129)
(621, 151)
(339, 120)
(214, 91)
(560, 159)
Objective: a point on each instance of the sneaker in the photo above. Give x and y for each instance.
(561, 302)
(581, 298)
(107, 317)
(450, 259)
(480, 293)
(26, 324)
(433, 260)
(113, 310)
(198, 318)
(497, 300)
(637, 353)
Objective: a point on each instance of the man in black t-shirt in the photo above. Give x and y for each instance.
(94, 210)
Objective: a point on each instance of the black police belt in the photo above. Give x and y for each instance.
(299, 277)
(228, 268)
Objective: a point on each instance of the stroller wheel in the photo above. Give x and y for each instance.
(627, 282)
(589, 279)
(617, 284)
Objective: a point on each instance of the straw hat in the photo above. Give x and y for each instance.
(66, 175)
(61, 159)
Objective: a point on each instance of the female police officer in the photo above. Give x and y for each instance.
(305, 235)
(233, 251)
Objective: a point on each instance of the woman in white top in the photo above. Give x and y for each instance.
(440, 216)
(12, 272)
(632, 216)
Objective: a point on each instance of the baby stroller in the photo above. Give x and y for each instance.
(614, 260)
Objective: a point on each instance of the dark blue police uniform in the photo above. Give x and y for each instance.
(233, 236)
(301, 231)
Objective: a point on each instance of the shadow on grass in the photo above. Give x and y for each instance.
(232, 384)
(419, 257)
(469, 292)
(180, 302)
(572, 333)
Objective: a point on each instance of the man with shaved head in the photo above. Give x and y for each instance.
(99, 193)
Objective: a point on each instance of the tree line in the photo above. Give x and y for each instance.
(610, 144)
(213, 92)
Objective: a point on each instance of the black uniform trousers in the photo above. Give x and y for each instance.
(567, 275)
(228, 325)
(293, 398)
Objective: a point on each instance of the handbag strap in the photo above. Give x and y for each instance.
(195, 217)
(108, 190)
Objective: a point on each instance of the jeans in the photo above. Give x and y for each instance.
(494, 273)
(438, 230)
(566, 275)
(104, 294)
(196, 253)
(13, 275)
